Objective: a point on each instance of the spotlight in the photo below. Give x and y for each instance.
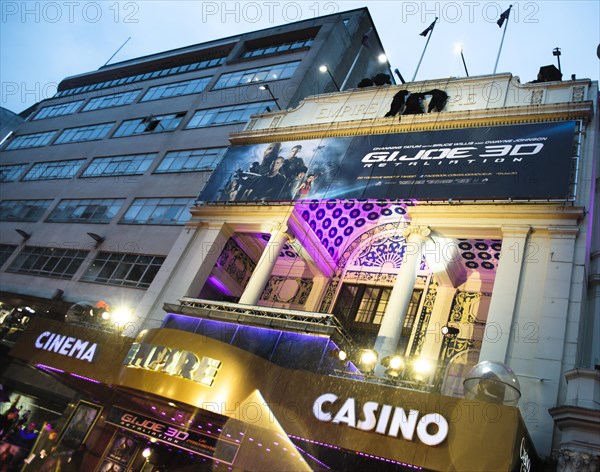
(421, 368)
(266, 87)
(382, 58)
(121, 314)
(146, 453)
(394, 364)
(450, 331)
(324, 69)
(368, 357)
(338, 354)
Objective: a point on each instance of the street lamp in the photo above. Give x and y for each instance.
(266, 87)
(323, 69)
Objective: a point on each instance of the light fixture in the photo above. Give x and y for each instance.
(146, 453)
(421, 367)
(339, 354)
(394, 364)
(324, 69)
(266, 87)
(24, 234)
(121, 314)
(382, 58)
(96, 237)
(368, 357)
(450, 331)
(556, 52)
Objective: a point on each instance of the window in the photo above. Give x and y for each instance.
(178, 88)
(86, 211)
(23, 210)
(48, 262)
(190, 161)
(11, 172)
(227, 115)
(204, 64)
(132, 164)
(30, 140)
(130, 270)
(84, 133)
(109, 101)
(261, 74)
(361, 308)
(150, 124)
(289, 46)
(158, 211)
(54, 170)
(57, 110)
(6, 250)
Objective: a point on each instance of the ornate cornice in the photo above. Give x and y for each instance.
(424, 122)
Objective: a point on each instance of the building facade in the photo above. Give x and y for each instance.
(135, 141)
(445, 228)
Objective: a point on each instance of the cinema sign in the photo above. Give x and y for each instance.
(66, 346)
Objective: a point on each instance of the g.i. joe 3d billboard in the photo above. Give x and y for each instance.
(522, 162)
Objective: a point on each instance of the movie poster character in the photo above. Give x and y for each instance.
(79, 425)
(122, 449)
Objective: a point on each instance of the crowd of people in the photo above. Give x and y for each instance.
(275, 178)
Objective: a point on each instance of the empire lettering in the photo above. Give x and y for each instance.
(384, 419)
(174, 362)
(66, 346)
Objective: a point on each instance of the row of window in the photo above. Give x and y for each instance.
(261, 51)
(283, 47)
(186, 87)
(151, 211)
(110, 268)
(191, 160)
(151, 124)
(147, 76)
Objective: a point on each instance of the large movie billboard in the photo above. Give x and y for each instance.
(529, 161)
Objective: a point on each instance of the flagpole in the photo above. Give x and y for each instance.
(501, 42)
(424, 49)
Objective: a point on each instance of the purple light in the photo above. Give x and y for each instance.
(371, 456)
(219, 285)
(313, 458)
(47, 367)
(85, 378)
(153, 407)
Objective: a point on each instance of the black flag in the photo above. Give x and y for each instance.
(503, 17)
(429, 28)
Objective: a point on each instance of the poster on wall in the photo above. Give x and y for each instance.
(523, 162)
(79, 425)
(119, 453)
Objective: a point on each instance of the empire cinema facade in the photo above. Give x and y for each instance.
(362, 292)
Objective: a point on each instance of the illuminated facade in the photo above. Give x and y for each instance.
(433, 241)
(510, 273)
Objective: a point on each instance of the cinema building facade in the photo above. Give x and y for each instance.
(458, 248)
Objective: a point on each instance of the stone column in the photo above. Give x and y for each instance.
(504, 295)
(184, 272)
(264, 267)
(395, 312)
